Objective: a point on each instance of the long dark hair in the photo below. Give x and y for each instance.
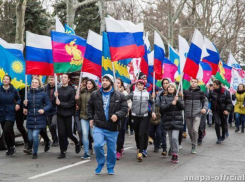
(122, 83)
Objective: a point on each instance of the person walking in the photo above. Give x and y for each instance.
(171, 110)
(9, 103)
(82, 101)
(106, 107)
(66, 106)
(35, 107)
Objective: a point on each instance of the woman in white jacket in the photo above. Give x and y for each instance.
(122, 125)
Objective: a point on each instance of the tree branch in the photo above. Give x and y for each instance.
(3, 4)
(178, 11)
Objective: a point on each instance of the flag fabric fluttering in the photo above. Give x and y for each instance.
(194, 55)
(174, 58)
(58, 25)
(69, 30)
(169, 69)
(224, 74)
(235, 65)
(159, 54)
(121, 70)
(68, 52)
(213, 58)
(15, 49)
(93, 55)
(39, 58)
(204, 74)
(183, 51)
(12, 66)
(144, 60)
(121, 39)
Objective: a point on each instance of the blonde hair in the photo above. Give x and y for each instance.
(39, 80)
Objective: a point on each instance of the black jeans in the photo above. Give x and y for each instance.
(220, 121)
(20, 124)
(8, 130)
(121, 135)
(66, 128)
(141, 129)
(155, 133)
(52, 124)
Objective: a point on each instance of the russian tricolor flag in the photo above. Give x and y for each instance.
(39, 59)
(124, 39)
(144, 59)
(213, 58)
(159, 54)
(194, 55)
(93, 54)
(150, 67)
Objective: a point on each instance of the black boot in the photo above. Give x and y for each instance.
(8, 152)
(12, 151)
(62, 155)
(47, 146)
(78, 148)
(34, 156)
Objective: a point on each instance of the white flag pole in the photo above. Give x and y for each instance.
(79, 84)
(114, 75)
(26, 87)
(56, 82)
(154, 79)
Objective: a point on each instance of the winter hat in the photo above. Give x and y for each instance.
(142, 75)
(110, 78)
(172, 84)
(140, 81)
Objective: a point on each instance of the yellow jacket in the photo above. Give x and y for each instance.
(239, 102)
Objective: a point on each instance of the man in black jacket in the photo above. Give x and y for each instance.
(221, 105)
(196, 104)
(105, 108)
(66, 105)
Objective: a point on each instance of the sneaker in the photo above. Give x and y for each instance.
(98, 169)
(26, 146)
(62, 155)
(222, 138)
(86, 156)
(219, 141)
(28, 150)
(144, 153)
(55, 143)
(150, 140)
(12, 151)
(110, 171)
(78, 148)
(200, 143)
(34, 156)
(139, 157)
(47, 146)
(122, 150)
(118, 156)
(175, 158)
(184, 135)
(164, 153)
(8, 152)
(237, 130)
(226, 134)
(193, 149)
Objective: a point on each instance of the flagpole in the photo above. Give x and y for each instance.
(79, 84)
(154, 79)
(25, 86)
(114, 75)
(180, 85)
(56, 82)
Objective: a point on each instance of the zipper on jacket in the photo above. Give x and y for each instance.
(140, 103)
(34, 109)
(192, 105)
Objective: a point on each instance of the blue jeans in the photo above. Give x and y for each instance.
(85, 132)
(102, 136)
(240, 119)
(33, 138)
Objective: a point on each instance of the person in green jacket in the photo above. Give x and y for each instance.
(82, 104)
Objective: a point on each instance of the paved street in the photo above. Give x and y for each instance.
(211, 160)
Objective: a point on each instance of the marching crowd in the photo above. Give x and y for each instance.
(102, 116)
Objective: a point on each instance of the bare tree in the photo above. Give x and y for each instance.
(20, 21)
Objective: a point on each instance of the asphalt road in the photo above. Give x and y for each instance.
(211, 161)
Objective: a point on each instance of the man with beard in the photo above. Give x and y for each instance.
(105, 108)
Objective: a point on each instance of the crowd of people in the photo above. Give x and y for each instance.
(93, 116)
